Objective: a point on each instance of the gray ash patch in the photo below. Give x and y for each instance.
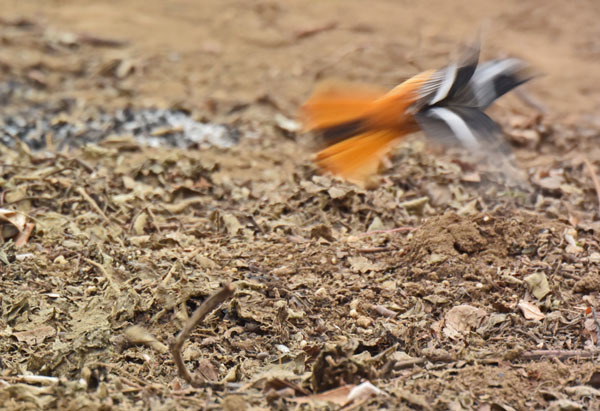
(8, 90)
(152, 127)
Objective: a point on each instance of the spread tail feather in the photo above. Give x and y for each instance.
(360, 124)
(336, 106)
(358, 157)
(457, 96)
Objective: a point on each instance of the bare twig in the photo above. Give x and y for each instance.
(176, 344)
(104, 271)
(302, 34)
(139, 335)
(400, 365)
(336, 58)
(528, 99)
(597, 323)
(24, 235)
(383, 311)
(97, 41)
(124, 374)
(18, 166)
(592, 172)
(32, 379)
(393, 230)
(79, 161)
(526, 356)
(561, 354)
(374, 250)
(91, 201)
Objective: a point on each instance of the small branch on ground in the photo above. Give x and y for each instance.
(91, 202)
(528, 99)
(24, 235)
(113, 283)
(597, 324)
(176, 344)
(374, 250)
(393, 230)
(32, 379)
(592, 171)
(526, 356)
(302, 34)
(561, 354)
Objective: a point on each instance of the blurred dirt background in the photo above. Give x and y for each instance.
(449, 286)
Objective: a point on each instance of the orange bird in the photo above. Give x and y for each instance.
(360, 125)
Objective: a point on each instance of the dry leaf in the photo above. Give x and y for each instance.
(139, 335)
(337, 396)
(360, 264)
(36, 335)
(11, 223)
(363, 390)
(462, 319)
(538, 285)
(530, 311)
(232, 224)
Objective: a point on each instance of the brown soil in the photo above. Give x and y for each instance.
(487, 300)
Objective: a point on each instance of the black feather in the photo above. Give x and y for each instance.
(335, 134)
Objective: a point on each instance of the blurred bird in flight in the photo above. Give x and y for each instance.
(360, 125)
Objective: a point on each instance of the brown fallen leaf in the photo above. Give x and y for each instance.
(36, 335)
(337, 396)
(538, 285)
(139, 335)
(461, 319)
(23, 236)
(530, 311)
(14, 225)
(364, 390)
(15, 218)
(309, 32)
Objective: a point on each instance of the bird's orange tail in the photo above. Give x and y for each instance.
(358, 157)
(360, 124)
(349, 118)
(335, 104)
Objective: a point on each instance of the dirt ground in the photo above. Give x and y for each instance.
(451, 285)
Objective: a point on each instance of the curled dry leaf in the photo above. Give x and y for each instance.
(363, 390)
(571, 239)
(139, 335)
(461, 319)
(538, 285)
(530, 311)
(360, 264)
(343, 395)
(15, 219)
(36, 335)
(14, 225)
(337, 396)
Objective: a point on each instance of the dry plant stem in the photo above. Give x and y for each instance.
(374, 250)
(393, 230)
(592, 172)
(91, 201)
(33, 379)
(528, 99)
(106, 274)
(561, 354)
(597, 324)
(526, 356)
(175, 345)
(302, 34)
(23, 236)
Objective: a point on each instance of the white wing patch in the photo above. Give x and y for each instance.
(449, 75)
(482, 80)
(458, 126)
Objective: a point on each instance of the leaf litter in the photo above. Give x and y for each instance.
(443, 287)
